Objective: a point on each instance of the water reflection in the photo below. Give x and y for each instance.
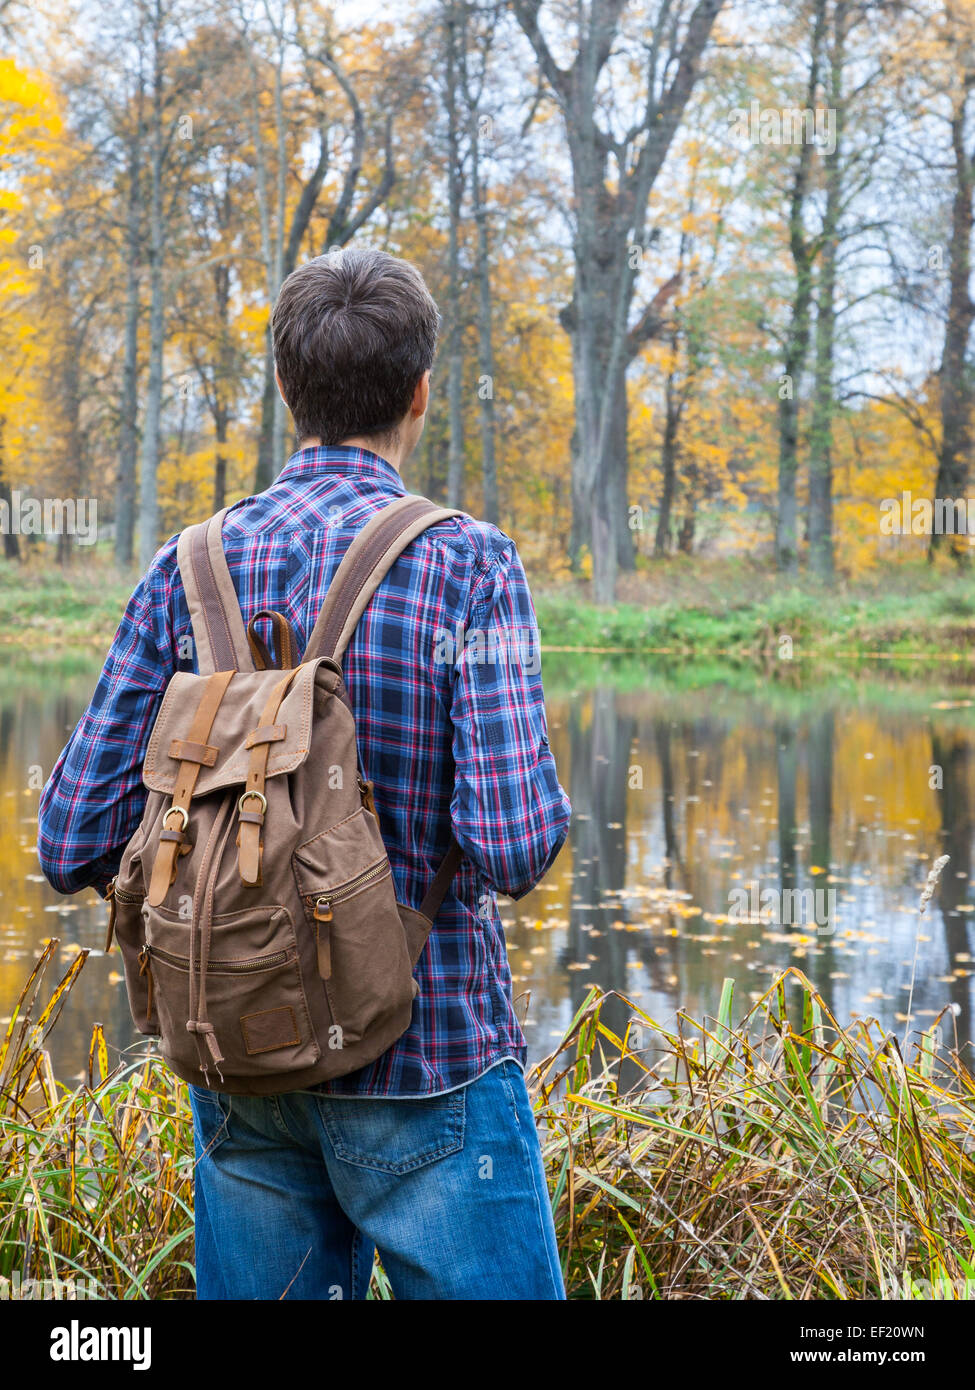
(680, 796)
(710, 790)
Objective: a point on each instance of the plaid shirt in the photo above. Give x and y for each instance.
(451, 728)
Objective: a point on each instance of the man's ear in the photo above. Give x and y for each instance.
(277, 378)
(421, 397)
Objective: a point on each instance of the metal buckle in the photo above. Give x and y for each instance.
(260, 796)
(181, 811)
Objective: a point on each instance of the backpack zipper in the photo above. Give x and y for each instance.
(215, 967)
(321, 903)
(113, 896)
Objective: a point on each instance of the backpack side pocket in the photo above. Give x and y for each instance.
(126, 895)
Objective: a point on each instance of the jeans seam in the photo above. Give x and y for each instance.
(222, 1131)
(277, 1114)
(354, 1262)
(555, 1272)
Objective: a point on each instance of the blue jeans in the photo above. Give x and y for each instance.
(295, 1192)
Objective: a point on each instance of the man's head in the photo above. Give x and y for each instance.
(355, 334)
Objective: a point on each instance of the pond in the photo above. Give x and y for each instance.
(722, 828)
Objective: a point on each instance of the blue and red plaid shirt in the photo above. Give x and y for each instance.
(451, 727)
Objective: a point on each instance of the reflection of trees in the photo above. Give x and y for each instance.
(786, 763)
(599, 763)
(819, 773)
(951, 752)
(37, 712)
(661, 729)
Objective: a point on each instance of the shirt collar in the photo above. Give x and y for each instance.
(318, 461)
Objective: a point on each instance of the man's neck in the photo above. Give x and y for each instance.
(391, 453)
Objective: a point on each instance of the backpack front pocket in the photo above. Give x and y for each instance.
(346, 885)
(254, 997)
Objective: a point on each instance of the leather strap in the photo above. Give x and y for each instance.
(442, 880)
(173, 840)
(251, 820)
(364, 566)
(218, 625)
(285, 643)
(182, 750)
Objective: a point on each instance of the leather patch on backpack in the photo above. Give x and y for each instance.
(270, 1029)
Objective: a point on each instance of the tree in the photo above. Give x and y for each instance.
(955, 374)
(614, 169)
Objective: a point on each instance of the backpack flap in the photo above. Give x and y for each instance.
(226, 756)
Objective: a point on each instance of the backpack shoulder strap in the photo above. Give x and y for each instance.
(218, 624)
(364, 566)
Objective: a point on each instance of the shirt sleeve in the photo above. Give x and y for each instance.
(95, 797)
(509, 813)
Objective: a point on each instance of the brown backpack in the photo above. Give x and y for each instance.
(254, 905)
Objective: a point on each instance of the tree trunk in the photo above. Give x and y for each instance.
(129, 408)
(820, 514)
(220, 468)
(485, 347)
(618, 469)
(797, 339)
(265, 475)
(610, 213)
(956, 391)
(11, 541)
(148, 494)
(668, 461)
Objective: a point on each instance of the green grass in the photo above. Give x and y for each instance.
(704, 617)
(744, 615)
(55, 610)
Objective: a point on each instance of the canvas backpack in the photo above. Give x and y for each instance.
(254, 906)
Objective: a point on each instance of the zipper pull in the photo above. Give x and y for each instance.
(112, 909)
(323, 942)
(321, 911)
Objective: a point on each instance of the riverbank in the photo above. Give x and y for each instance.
(912, 620)
(902, 619)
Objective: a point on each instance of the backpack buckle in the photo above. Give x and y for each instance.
(261, 798)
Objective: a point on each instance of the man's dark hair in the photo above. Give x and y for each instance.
(353, 333)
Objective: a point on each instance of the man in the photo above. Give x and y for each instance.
(430, 1153)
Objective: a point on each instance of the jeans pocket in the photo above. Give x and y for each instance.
(211, 1112)
(394, 1136)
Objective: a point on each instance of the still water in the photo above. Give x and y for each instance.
(683, 796)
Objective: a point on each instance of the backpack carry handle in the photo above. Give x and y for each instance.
(285, 656)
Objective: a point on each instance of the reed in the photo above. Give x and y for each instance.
(782, 1156)
(785, 1157)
